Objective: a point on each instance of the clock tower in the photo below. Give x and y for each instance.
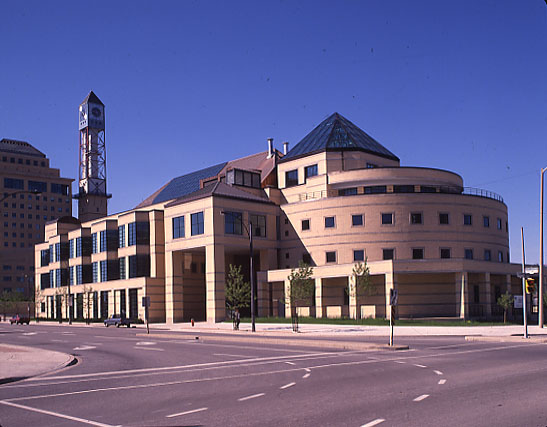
(92, 196)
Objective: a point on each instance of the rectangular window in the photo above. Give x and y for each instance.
(104, 271)
(427, 189)
(57, 252)
(387, 218)
(71, 275)
(469, 254)
(329, 222)
(487, 255)
(444, 219)
(403, 189)
(71, 248)
(388, 254)
(233, 222)
(121, 236)
(95, 269)
(178, 227)
(499, 223)
(417, 253)
(37, 186)
(291, 178)
(359, 255)
(132, 234)
(258, 223)
(331, 256)
(94, 248)
(58, 278)
(44, 257)
(476, 294)
(122, 268)
(467, 219)
(500, 256)
(357, 220)
(486, 221)
(78, 246)
(445, 253)
(59, 189)
(415, 218)
(16, 184)
(305, 224)
(197, 223)
(375, 189)
(348, 191)
(79, 275)
(103, 243)
(310, 171)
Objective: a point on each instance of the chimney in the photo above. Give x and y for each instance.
(270, 148)
(285, 147)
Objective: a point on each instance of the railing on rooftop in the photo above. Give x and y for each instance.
(482, 193)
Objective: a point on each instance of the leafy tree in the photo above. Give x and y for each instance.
(9, 301)
(87, 302)
(361, 284)
(238, 291)
(505, 301)
(302, 288)
(38, 297)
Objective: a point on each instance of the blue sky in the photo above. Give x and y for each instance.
(187, 84)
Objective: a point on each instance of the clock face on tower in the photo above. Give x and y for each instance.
(96, 113)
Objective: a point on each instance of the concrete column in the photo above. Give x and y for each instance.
(389, 284)
(354, 308)
(319, 298)
(214, 283)
(487, 295)
(287, 287)
(462, 292)
(113, 302)
(508, 282)
(173, 286)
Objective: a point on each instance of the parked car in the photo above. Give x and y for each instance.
(117, 320)
(19, 320)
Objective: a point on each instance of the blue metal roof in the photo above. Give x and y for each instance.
(186, 184)
(336, 133)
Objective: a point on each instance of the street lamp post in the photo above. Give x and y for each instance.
(249, 232)
(540, 291)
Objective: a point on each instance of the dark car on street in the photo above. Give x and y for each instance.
(117, 320)
(19, 320)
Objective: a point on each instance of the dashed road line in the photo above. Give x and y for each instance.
(84, 347)
(55, 414)
(399, 361)
(148, 348)
(306, 376)
(290, 363)
(419, 366)
(374, 422)
(252, 396)
(441, 382)
(286, 386)
(193, 411)
(420, 398)
(438, 372)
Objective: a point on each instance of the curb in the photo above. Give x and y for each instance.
(337, 345)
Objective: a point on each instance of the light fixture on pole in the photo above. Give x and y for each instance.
(249, 232)
(540, 291)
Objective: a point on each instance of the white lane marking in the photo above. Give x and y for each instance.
(29, 333)
(231, 355)
(59, 340)
(85, 347)
(438, 372)
(420, 398)
(68, 333)
(148, 348)
(286, 386)
(419, 366)
(55, 414)
(146, 343)
(307, 369)
(193, 411)
(441, 382)
(290, 363)
(374, 422)
(399, 361)
(306, 376)
(274, 359)
(252, 396)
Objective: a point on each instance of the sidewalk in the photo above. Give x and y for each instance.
(17, 362)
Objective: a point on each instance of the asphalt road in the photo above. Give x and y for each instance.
(122, 378)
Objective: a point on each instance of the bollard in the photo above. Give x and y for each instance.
(192, 321)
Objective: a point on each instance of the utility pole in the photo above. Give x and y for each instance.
(524, 311)
(540, 291)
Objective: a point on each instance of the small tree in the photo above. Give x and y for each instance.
(361, 284)
(38, 297)
(87, 302)
(238, 292)
(302, 288)
(505, 301)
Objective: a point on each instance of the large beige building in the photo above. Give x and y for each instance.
(336, 198)
(31, 193)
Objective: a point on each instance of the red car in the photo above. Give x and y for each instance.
(19, 320)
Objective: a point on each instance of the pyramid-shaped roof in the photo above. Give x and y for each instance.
(91, 97)
(336, 133)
